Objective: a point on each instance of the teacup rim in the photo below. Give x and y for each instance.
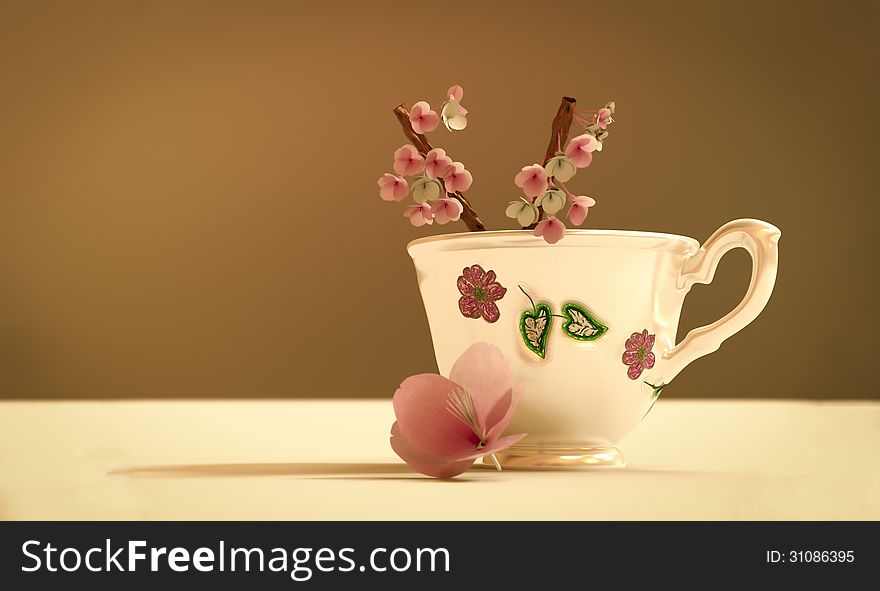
(573, 238)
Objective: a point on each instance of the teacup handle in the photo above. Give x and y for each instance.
(760, 240)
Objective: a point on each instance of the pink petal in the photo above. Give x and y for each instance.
(408, 161)
(447, 210)
(637, 340)
(490, 311)
(422, 118)
(649, 342)
(577, 213)
(495, 291)
(428, 465)
(465, 287)
(429, 122)
(584, 200)
(532, 180)
(496, 414)
(581, 159)
(489, 278)
(474, 274)
(635, 370)
(458, 179)
(437, 164)
(498, 420)
(455, 92)
(551, 229)
(483, 371)
(602, 117)
(630, 357)
(420, 405)
(469, 306)
(393, 188)
(580, 150)
(535, 186)
(419, 215)
(649, 360)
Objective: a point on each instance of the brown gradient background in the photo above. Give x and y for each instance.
(187, 190)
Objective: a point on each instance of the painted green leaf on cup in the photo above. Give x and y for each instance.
(535, 327)
(580, 325)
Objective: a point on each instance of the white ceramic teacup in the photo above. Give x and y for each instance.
(588, 324)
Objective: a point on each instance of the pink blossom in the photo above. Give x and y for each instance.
(479, 292)
(422, 118)
(408, 161)
(580, 149)
(392, 188)
(419, 214)
(446, 209)
(580, 207)
(532, 180)
(638, 355)
(437, 164)
(551, 228)
(455, 93)
(444, 424)
(602, 117)
(458, 179)
(453, 113)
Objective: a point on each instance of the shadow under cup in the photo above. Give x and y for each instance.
(588, 325)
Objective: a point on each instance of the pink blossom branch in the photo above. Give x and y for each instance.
(468, 215)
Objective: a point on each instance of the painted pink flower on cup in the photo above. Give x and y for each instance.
(446, 209)
(580, 149)
(437, 164)
(580, 207)
(408, 161)
(532, 180)
(479, 292)
(419, 214)
(458, 178)
(602, 117)
(444, 424)
(638, 355)
(551, 229)
(422, 118)
(392, 188)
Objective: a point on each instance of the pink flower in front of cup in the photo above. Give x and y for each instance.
(419, 214)
(638, 355)
(551, 229)
(479, 292)
(444, 424)
(447, 209)
(532, 180)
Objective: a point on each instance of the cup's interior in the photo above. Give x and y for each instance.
(573, 239)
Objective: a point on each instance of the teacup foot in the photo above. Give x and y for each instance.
(535, 457)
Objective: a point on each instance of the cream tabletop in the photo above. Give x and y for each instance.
(308, 460)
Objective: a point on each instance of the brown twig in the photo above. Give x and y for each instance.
(561, 127)
(468, 215)
(559, 131)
